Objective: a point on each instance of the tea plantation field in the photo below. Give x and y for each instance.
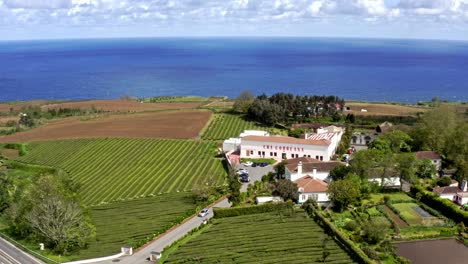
(111, 169)
(224, 126)
(260, 238)
(134, 222)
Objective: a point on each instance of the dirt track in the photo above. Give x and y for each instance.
(123, 105)
(173, 124)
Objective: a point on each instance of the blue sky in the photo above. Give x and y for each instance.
(45, 19)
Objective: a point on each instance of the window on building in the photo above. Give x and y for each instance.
(303, 197)
(251, 152)
(292, 156)
(259, 153)
(276, 154)
(321, 157)
(297, 155)
(308, 156)
(271, 154)
(317, 157)
(263, 153)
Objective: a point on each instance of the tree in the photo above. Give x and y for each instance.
(26, 120)
(60, 222)
(425, 169)
(444, 181)
(344, 192)
(243, 102)
(280, 169)
(286, 189)
(406, 166)
(395, 141)
(234, 188)
(340, 172)
(56, 217)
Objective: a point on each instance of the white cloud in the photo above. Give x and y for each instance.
(100, 13)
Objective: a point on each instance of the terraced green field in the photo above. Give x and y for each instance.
(224, 126)
(110, 170)
(260, 238)
(128, 223)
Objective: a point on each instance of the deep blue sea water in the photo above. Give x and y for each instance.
(364, 69)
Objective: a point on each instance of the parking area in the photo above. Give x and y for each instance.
(255, 174)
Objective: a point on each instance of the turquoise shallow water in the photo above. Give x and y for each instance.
(363, 69)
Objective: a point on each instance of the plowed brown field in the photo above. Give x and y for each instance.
(382, 109)
(177, 124)
(123, 105)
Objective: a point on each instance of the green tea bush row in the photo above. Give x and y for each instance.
(254, 209)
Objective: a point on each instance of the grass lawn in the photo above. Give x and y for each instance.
(408, 213)
(378, 197)
(260, 238)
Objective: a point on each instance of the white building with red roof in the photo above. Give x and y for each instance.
(312, 188)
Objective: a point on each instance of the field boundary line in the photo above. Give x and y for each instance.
(181, 223)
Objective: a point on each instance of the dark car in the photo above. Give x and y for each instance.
(263, 164)
(255, 164)
(245, 178)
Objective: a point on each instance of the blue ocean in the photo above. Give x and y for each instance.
(357, 69)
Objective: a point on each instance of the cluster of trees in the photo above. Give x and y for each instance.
(46, 209)
(445, 131)
(282, 107)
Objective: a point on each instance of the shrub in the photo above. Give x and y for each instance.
(444, 181)
(373, 232)
(370, 252)
(351, 225)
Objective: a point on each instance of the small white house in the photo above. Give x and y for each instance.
(433, 156)
(447, 192)
(461, 197)
(311, 188)
(267, 199)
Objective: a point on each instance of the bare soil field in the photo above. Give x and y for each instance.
(123, 105)
(171, 124)
(382, 109)
(9, 153)
(4, 119)
(6, 107)
(433, 251)
(221, 104)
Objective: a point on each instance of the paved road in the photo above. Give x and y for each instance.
(9, 254)
(166, 240)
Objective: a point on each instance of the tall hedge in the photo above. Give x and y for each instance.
(254, 209)
(445, 206)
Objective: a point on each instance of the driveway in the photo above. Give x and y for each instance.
(255, 174)
(9, 254)
(168, 238)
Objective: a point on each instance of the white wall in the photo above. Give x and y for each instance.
(321, 197)
(449, 196)
(309, 150)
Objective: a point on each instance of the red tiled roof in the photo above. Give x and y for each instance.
(446, 190)
(287, 140)
(311, 185)
(432, 155)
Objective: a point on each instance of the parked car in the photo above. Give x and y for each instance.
(203, 212)
(245, 178)
(248, 163)
(241, 171)
(255, 164)
(263, 164)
